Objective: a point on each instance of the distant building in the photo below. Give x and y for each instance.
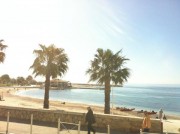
(60, 84)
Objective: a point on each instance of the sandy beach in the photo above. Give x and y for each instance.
(172, 124)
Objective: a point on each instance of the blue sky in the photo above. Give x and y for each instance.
(147, 31)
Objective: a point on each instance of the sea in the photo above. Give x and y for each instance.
(140, 97)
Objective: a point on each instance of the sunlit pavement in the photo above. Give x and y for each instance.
(171, 126)
(23, 128)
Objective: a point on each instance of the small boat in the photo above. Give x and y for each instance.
(152, 112)
(125, 109)
(141, 111)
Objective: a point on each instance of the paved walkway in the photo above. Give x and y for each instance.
(20, 127)
(23, 128)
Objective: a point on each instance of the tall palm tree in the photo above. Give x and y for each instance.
(49, 62)
(2, 54)
(108, 68)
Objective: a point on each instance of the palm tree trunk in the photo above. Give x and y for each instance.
(107, 97)
(46, 95)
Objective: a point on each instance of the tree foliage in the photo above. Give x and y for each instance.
(108, 68)
(5, 79)
(2, 48)
(49, 62)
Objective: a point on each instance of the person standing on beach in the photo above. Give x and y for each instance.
(90, 119)
(146, 124)
(160, 114)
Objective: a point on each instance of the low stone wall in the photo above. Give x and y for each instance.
(116, 122)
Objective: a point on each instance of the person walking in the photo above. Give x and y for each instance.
(160, 114)
(146, 124)
(90, 119)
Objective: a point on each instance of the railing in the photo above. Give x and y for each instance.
(73, 125)
(63, 124)
(62, 127)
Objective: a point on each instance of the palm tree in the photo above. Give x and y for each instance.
(108, 68)
(49, 62)
(2, 54)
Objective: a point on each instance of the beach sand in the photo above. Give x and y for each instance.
(172, 124)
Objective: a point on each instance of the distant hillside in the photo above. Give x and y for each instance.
(85, 85)
(82, 85)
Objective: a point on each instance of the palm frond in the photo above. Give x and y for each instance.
(107, 65)
(50, 60)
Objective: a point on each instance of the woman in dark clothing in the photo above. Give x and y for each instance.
(90, 119)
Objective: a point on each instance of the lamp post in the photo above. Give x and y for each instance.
(112, 98)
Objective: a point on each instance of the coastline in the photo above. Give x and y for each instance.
(10, 99)
(24, 101)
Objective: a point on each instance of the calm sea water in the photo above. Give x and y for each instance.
(139, 97)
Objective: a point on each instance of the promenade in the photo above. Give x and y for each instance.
(24, 128)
